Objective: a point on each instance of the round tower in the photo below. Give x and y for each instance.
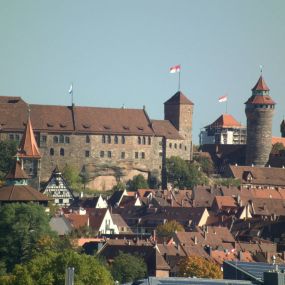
(259, 109)
(282, 129)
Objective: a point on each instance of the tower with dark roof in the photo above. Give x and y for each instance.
(282, 128)
(259, 109)
(179, 111)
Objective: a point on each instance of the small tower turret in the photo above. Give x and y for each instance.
(259, 109)
(282, 129)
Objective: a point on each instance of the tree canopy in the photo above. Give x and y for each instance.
(183, 174)
(196, 266)
(21, 227)
(169, 228)
(49, 269)
(8, 150)
(138, 182)
(127, 268)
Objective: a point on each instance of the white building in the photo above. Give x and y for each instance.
(225, 130)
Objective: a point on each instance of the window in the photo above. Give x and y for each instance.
(101, 153)
(61, 152)
(61, 139)
(175, 145)
(43, 139)
(160, 153)
(116, 140)
(103, 139)
(123, 140)
(17, 137)
(123, 154)
(109, 153)
(149, 140)
(185, 147)
(136, 154)
(51, 152)
(144, 142)
(87, 139)
(139, 140)
(170, 145)
(109, 139)
(87, 153)
(55, 139)
(143, 155)
(180, 145)
(67, 140)
(60, 201)
(11, 137)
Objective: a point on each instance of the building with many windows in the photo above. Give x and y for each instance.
(109, 144)
(225, 130)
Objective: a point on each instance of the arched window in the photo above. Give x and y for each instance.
(149, 140)
(175, 145)
(116, 140)
(144, 140)
(61, 152)
(103, 139)
(55, 139)
(123, 140)
(139, 140)
(87, 139)
(67, 139)
(51, 152)
(109, 139)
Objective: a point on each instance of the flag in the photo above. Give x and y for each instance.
(70, 91)
(223, 99)
(174, 69)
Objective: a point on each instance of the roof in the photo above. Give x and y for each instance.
(60, 225)
(260, 99)
(21, 193)
(16, 172)
(28, 146)
(177, 99)
(225, 121)
(278, 140)
(225, 201)
(260, 85)
(261, 175)
(165, 129)
(96, 217)
(79, 119)
(76, 220)
(118, 220)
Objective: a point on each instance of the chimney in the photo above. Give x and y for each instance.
(195, 240)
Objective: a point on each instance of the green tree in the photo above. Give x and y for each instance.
(206, 164)
(49, 269)
(120, 186)
(154, 180)
(21, 227)
(71, 175)
(8, 150)
(169, 228)
(127, 268)
(227, 182)
(183, 174)
(199, 267)
(138, 182)
(277, 147)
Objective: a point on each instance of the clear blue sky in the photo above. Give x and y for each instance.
(119, 52)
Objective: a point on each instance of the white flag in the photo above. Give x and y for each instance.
(70, 91)
(223, 99)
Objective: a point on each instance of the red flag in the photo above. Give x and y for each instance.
(175, 68)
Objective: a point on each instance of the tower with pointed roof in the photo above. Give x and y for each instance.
(259, 109)
(29, 154)
(282, 128)
(179, 111)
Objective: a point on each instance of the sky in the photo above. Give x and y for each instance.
(119, 53)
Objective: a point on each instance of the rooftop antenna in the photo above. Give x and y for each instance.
(260, 68)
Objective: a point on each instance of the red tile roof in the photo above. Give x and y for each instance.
(28, 146)
(278, 140)
(260, 85)
(165, 129)
(178, 98)
(260, 99)
(225, 121)
(21, 193)
(77, 221)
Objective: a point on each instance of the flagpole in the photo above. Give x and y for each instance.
(226, 106)
(179, 80)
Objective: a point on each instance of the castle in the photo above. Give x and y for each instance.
(109, 144)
